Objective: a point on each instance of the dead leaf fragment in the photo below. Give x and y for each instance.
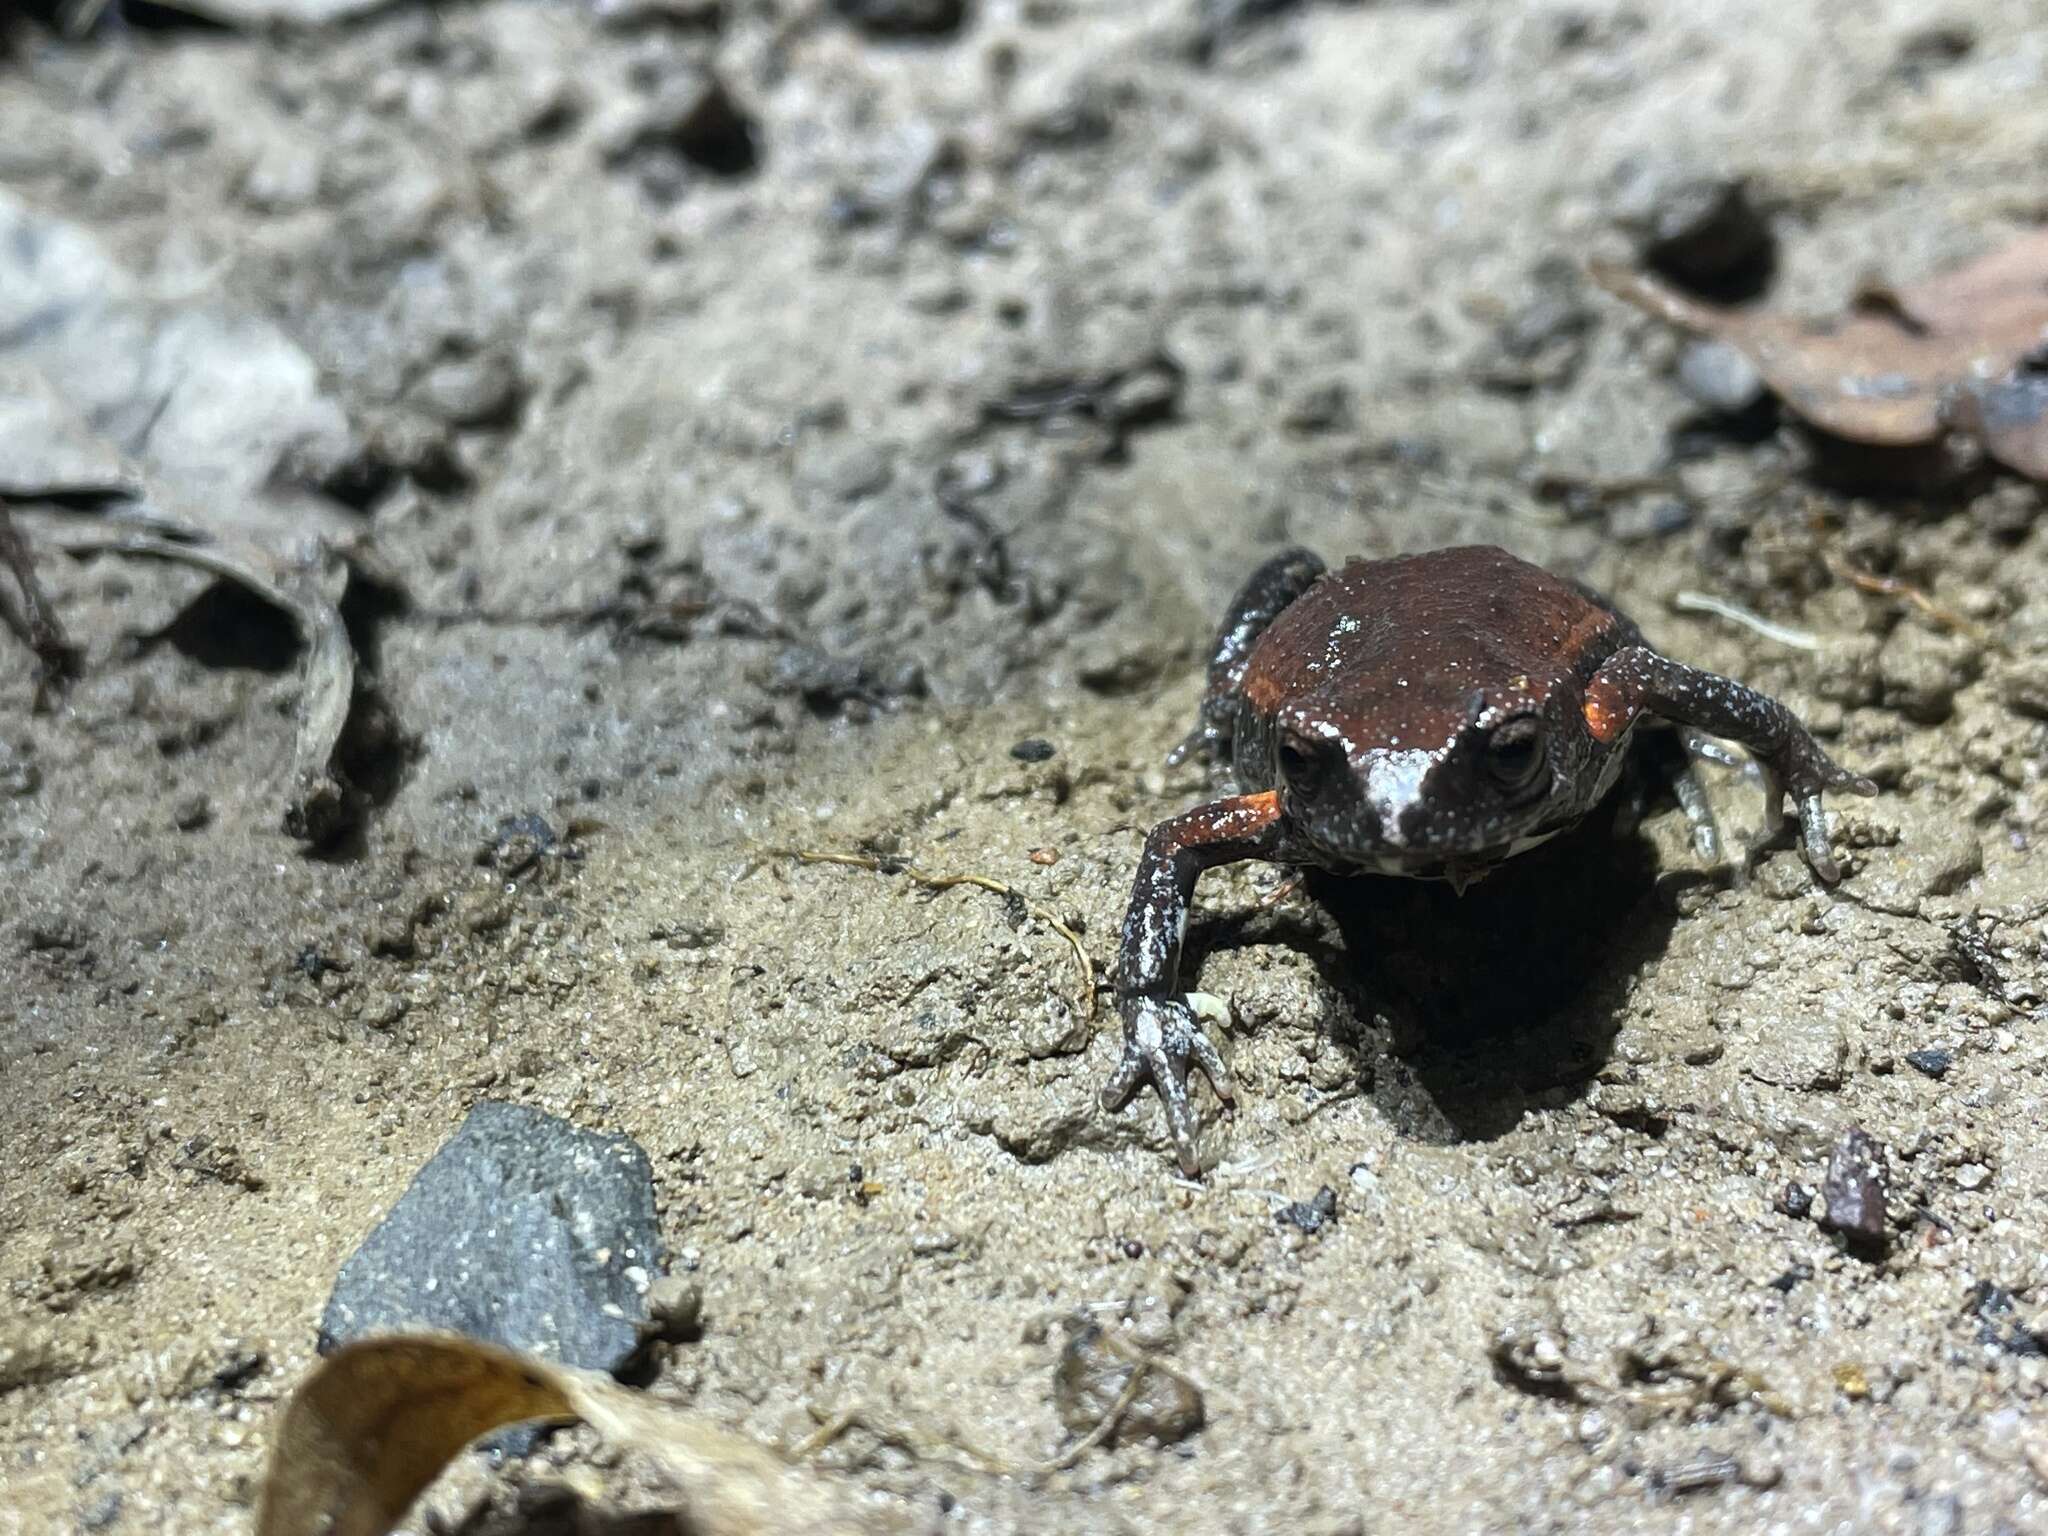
(377, 1421)
(159, 424)
(327, 672)
(1961, 351)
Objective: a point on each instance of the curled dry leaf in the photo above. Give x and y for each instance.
(1962, 351)
(377, 1421)
(327, 672)
(156, 424)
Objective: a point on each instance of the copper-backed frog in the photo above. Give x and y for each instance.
(1427, 716)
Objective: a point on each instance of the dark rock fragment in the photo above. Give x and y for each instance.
(1310, 1215)
(1853, 1193)
(1794, 1200)
(523, 1230)
(1932, 1061)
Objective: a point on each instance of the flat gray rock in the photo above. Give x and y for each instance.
(523, 1230)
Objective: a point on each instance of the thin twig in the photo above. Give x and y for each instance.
(41, 631)
(988, 883)
(1104, 1427)
(1720, 607)
(938, 1447)
(1893, 586)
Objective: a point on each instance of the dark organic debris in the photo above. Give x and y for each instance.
(825, 682)
(520, 842)
(523, 1230)
(1095, 1376)
(1217, 21)
(653, 15)
(1974, 954)
(256, 14)
(1961, 352)
(1704, 232)
(991, 559)
(1999, 1323)
(1853, 1193)
(904, 18)
(241, 1367)
(1311, 1215)
(37, 622)
(1120, 399)
(1792, 1278)
(692, 124)
(1531, 1356)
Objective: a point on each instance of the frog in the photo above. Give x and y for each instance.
(1426, 716)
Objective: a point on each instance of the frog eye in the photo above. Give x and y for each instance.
(1514, 754)
(1303, 762)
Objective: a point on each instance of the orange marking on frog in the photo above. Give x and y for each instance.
(1603, 719)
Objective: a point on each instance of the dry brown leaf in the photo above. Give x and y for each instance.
(1905, 365)
(377, 1421)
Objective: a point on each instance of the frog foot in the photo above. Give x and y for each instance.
(1163, 1038)
(1810, 772)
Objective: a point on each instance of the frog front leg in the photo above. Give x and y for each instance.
(1163, 1034)
(1637, 681)
(1262, 599)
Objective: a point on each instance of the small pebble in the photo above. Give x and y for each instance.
(1932, 1061)
(1720, 378)
(1091, 1376)
(1310, 1215)
(1033, 749)
(1853, 1193)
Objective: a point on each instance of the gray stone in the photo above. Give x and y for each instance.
(523, 1230)
(480, 391)
(1718, 377)
(1799, 1052)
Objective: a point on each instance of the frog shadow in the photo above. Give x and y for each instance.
(1464, 1012)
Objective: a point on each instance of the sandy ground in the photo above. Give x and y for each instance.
(596, 361)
